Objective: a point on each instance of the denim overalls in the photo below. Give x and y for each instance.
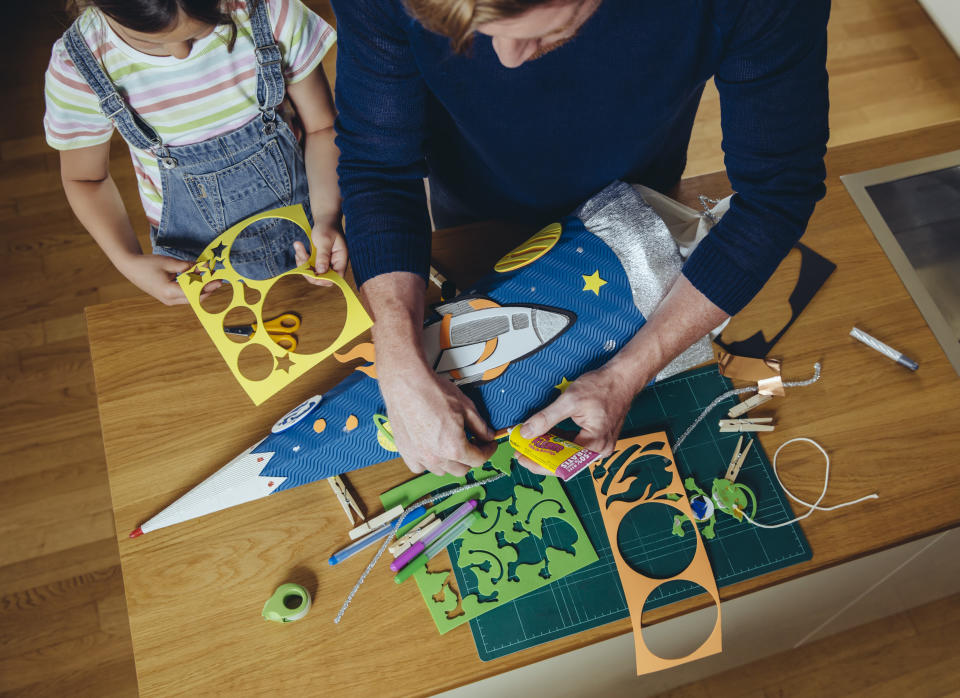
(209, 186)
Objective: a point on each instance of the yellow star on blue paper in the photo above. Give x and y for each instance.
(563, 384)
(593, 282)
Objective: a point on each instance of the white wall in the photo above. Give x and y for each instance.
(946, 15)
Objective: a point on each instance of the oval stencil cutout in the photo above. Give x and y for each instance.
(255, 362)
(648, 545)
(239, 317)
(251, 296)
(219, 300)
(682, 636)
(322, 311)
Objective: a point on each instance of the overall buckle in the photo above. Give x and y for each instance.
(267, 55)
(106, 108)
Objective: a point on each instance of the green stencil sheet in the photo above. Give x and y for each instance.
(593, 596)
(527, 537)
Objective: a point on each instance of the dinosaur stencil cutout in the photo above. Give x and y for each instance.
(447, 583)
(527, 536)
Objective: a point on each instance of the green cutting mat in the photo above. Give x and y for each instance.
(593, 596)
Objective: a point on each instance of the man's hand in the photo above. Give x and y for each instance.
(428, 415)
(157, 275)
(331, 250)
(597, 401)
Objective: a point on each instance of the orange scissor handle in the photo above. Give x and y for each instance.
(284, 341)
(288, 323)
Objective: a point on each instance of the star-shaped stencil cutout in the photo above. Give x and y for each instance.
(219, 250)
(593, 282)
(563, 384)
(218, 264)
(284, 363)
(195, 275)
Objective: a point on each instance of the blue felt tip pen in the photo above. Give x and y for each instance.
(374, 536)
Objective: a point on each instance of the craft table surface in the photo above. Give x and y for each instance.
(172, 414)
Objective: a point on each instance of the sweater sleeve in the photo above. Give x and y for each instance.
(381, 100)
(774, 103)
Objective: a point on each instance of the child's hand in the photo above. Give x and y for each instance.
(331, 252)
(157, 275)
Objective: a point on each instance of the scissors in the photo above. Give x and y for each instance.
(280, 329)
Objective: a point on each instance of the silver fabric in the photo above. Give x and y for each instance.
(639, 238)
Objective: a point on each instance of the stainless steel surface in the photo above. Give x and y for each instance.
(914, 211)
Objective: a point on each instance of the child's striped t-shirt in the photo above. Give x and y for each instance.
(208, 93)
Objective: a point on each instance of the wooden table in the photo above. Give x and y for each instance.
(172, 414)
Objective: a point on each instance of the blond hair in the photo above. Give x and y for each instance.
(458, 19)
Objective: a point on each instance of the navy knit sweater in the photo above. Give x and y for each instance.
(615, 102)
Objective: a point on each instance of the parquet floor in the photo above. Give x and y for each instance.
(908, 655)
(63, 626)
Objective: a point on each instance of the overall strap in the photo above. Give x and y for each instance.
(134, 130)
(270, 83)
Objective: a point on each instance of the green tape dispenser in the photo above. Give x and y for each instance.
(289, 602)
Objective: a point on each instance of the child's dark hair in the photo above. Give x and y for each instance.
(150, 16)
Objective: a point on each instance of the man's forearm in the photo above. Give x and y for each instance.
(683, 316)
(396, 302)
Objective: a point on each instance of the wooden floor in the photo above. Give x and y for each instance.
(63, 626)
(912, 654)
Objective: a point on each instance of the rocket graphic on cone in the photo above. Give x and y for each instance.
(507, 342)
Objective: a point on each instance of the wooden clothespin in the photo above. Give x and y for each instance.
(754, 424)
(738, 459)
(425, 526)
(346, 499)
(749, 404)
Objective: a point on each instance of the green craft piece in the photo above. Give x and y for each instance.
(527, 536)
(731, 498)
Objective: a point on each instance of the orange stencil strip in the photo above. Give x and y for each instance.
(642, 471)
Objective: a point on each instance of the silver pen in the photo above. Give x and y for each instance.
(884, 349)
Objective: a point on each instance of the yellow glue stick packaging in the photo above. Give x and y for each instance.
(561, 457)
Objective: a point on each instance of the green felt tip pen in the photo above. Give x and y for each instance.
(440, 544)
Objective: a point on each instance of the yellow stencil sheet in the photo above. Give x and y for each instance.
(633, 476)
(214, 265)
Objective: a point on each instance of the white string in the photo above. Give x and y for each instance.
(816, 505)
(429, 499)
(740, 391)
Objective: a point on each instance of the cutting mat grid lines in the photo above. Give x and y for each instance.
(593, 596)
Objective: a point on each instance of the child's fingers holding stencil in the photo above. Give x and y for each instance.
(331, 247)
(338, 254)
(156, 275)
(302, 257)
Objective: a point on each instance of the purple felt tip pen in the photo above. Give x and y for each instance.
(422, 544)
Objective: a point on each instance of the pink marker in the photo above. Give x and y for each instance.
(422, 544)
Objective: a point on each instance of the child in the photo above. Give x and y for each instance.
(194, 87)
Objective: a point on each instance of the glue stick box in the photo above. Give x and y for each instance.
(561, 457)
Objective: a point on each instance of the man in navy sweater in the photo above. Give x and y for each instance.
(521, 110)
